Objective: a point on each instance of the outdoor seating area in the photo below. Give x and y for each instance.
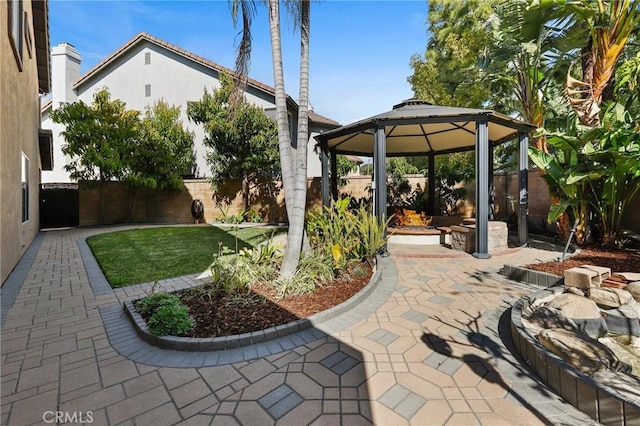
(409, 227)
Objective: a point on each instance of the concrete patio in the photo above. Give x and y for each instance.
(423, 349)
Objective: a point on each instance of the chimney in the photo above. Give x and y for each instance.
(65, 70)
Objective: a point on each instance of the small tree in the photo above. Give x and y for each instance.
(452, 170)
(243, 140)
(162, 154)
(98, 137)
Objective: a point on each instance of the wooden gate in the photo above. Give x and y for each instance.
(59, 205)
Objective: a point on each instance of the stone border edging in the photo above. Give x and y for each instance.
(13, 283)
(191, 344)
(602, 403)
(529, 276)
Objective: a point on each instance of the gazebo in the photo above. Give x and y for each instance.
(418, 128)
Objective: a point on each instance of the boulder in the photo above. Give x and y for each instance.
(631, 276)
(573, 306)
(582, 311)
(547, 318)
(583, 353)
(623, 320)
(609, 298)
(634, 289)
(576, 290)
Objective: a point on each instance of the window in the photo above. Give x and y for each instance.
(147, 90)
(25, 188)
(27, 35)
(147, 58)
(16, 29)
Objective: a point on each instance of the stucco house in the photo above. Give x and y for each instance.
(144, 70)
(25, 151)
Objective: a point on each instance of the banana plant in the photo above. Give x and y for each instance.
(594, 175)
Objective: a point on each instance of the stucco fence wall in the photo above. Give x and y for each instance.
(165, 206)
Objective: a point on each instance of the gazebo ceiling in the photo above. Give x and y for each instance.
(415, 127)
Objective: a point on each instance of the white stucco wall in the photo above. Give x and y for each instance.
(172, 77)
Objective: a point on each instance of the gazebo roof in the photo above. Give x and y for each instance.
(416, 127)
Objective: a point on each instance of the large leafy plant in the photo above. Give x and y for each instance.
(594, 174)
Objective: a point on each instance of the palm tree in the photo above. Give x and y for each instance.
(606, 25)
(293, 160)
(521, 39)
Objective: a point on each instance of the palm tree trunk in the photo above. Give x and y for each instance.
(300, 195)
(245, 192)
(296, 223)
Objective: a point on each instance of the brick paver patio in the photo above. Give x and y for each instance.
(423, 349)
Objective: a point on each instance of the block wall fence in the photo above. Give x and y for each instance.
(174, 206)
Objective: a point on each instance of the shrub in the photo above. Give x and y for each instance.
(236, 273)
(312, 272)
(147, 306)
(345, 236)
(171, 319)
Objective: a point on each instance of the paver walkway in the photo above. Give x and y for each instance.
(424, 350)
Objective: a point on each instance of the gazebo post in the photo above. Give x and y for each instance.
(324, 163)
(380, 174)
(482, 190)
(334, 175)
(492, 198)
(432, 184)
(523, 187)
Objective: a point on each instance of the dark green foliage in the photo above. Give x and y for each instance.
(97, 136)
(147, 306)
(108, 142)
(243, 141)
(171, 320)
(163, 152)
(447, 73)
(451, 170)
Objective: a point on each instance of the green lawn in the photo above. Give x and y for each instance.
(150, 254)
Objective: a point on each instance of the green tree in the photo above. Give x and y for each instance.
(399, 191)
(242, 139)
(161, 154)
(517, 63)
(98, 139)
(447, 74)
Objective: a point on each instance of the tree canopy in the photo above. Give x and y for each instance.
(243, 141)
(163, 153)
(108, 142)
(97, 136)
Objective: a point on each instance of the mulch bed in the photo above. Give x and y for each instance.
(617, 260)
(218, 314)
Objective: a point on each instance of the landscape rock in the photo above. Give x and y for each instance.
(583, 312)
(634, 289)
(575, 307)
(576, 290)
(548, 318)
(623, 320)
(583, 353)
(608, 298)
(631, 276)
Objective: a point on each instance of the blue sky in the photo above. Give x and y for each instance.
(360, 50)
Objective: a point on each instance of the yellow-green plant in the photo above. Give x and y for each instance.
(345, 235)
